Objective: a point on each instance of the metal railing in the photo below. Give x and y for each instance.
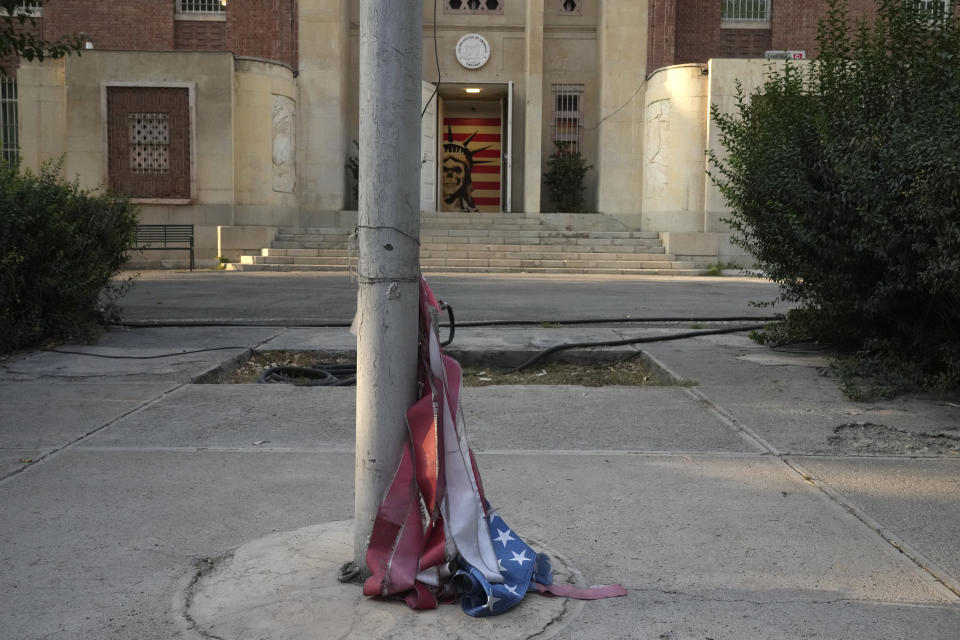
(9, 137)
(201, 6)
(746, 10)
(568, 116)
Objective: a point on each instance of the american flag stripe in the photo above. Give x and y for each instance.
(479, 137)
(473, 122)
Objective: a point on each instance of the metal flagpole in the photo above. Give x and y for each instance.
(391, 33)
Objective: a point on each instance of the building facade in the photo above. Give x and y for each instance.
(239, 116)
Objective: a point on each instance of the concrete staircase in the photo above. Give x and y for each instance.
(485, 243)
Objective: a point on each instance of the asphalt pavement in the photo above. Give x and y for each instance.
(751, 500)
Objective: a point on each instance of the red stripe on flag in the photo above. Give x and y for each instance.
(485, 168)
(494, 186)
(472, 122)
(486, 153)
(480, 137)
(486, 201)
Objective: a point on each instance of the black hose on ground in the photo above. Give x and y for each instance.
(295, 322)
(619, 343)
(316, 375)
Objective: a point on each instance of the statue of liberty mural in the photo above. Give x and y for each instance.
(457, 166)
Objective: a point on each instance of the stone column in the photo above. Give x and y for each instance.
(533, 112)
(622, 40)
(324, 60)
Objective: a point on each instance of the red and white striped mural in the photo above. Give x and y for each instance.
(470, 164)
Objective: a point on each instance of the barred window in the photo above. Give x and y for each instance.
(746, 10)
(149, 142)
(9, 137)
(28, 7)
(473, 6)
(201, 6)
(933, 5)
(568, 117)
(569, 7)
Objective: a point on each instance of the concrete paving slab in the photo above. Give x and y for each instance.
(710, 527)
(498, 417)
(655, 615)
(594, 418)
(45, 416)
(100, 544)
(236, 416)
(918, 500)
(789, 402)
(176, 355)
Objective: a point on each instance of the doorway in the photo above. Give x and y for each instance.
(473, 148)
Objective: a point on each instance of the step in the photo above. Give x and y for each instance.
(533, 253)
(555, 270)
(290, 267)
(284, 260)
(613, 252)
(305, 253)
(311, 237)
(322, 244)
(483, 243)
(556, 263)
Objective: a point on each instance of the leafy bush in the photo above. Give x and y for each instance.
(844, 180)
(564, 179)
(60, 247)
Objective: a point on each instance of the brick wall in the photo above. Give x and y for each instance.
(661, 44)
(144, 25)
(696, 34)
(10, 62)
(262, 29)
(743, 43)
(795, 22)
(697, 30)
(256, 28)
(197, 35)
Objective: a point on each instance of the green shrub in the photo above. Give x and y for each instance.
(60, 247)
(844, 180)
(564, 179)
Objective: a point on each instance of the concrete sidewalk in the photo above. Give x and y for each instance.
(757, 504)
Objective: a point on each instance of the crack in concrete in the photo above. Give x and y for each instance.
(552, 622)
(703, 598)
(202, 567)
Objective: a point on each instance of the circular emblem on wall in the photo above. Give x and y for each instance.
(473, 51)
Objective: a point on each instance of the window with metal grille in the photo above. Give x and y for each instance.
(746, 10)
(149, 136)
(149, 143)
(933, 5)
(201, 6)
(473, 6)
(9, 138)
(568, 117)
(28, 7)
(569, 7)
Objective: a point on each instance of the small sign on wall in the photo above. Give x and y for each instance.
(473, 51)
